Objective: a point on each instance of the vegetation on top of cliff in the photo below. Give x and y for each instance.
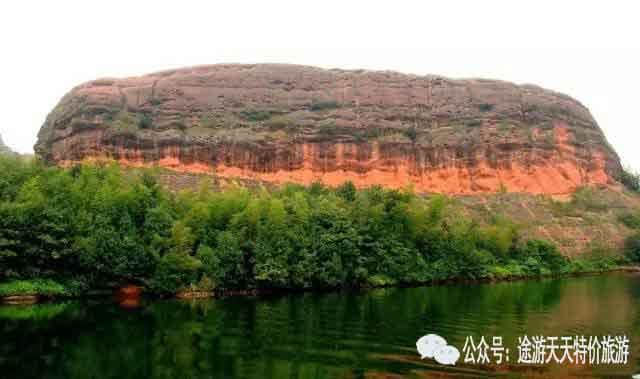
(92, 226)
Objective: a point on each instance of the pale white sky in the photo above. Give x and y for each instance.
(587, 49)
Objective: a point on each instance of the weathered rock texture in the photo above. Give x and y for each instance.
(281, 123)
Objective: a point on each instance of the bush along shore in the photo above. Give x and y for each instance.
(67, 232)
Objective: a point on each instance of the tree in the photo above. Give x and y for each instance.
(632, 248)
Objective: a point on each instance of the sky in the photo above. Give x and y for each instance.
(589, 50)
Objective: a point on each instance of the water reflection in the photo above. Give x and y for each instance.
(332, 335)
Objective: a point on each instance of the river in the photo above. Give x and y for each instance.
(346, 334)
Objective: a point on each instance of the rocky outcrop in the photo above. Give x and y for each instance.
(281, 123)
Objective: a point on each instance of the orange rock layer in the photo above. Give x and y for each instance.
(536, 171)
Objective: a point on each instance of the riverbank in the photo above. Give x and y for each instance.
(32, 292)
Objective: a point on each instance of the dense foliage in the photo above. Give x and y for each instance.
(633, 248)
(630, 179)
(632, 244)
(93, 226)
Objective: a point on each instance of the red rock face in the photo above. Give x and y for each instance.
(286, 123)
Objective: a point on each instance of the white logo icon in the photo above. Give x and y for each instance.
(447, 355)
(434, 346)
(428, 345)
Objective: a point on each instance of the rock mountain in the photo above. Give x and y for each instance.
(287, 123)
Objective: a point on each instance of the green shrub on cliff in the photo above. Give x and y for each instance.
(323, 105)
(145, 122)
(255, 115)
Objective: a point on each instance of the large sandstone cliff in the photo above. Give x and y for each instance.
(280, 123)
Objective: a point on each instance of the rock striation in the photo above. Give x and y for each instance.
(287, 123)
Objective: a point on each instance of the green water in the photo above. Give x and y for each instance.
(365, 334)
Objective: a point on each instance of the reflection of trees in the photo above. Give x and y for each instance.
(500, 309)
(293, 336)
(33, 313)
(30, 336)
